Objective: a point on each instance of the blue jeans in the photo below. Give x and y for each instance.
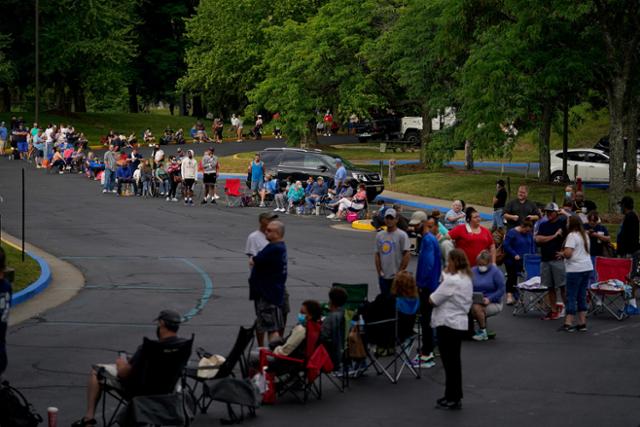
(498, 222)
(577, 291)
(109, 179)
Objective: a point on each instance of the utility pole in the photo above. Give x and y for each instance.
(37, 112)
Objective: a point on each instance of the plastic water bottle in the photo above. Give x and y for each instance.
(361, 325)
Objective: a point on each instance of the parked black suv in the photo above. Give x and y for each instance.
(378, 129)
(300, 164)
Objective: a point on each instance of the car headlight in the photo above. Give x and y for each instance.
(359, 176)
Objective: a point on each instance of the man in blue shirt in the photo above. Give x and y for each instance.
(124, 175)
(318, 191)
(5, 304)
(267, 284)
(256, 169)
(341, 174)
(427, 278)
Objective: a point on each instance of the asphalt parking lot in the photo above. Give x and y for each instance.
(139, 256)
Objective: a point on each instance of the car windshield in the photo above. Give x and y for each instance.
(330, 159)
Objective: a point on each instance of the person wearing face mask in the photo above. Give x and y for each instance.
(310, 311)
(123, 374)
(488, 290)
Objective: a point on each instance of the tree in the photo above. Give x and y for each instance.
(318, 64)
(7, 73)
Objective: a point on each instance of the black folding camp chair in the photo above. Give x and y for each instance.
(199, 389)
(151, 389)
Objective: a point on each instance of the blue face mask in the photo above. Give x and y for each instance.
(302, 319)
(568, 194)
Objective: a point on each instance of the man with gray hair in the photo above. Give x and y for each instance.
(267, 284)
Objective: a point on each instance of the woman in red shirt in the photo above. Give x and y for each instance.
(473, 238)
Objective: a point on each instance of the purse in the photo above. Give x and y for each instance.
(355, 344)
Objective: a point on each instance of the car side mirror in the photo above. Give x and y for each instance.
(322, 168)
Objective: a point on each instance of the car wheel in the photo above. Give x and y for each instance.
(412, 136)
(558, 178)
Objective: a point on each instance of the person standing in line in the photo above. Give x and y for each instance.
(452, 301)
(521, 208)
(552, 270)
(189, 171)
(428, 275)
(5, 305)
(473, 238)
(210, 168)
(392, 251)
(4, 133)
(499, 200)
(257, 171)
(627, 240)
(517, 243)
(109, 170)
(579, 268)
(341, 175)
(267, 284)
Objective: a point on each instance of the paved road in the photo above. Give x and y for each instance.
(139, 256)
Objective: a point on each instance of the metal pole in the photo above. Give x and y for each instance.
(22, 214)
(37, 112)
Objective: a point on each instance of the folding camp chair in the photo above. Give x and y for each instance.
(531, 294)
(151, 390)
(232, 192)
(394, 330)
(200, 389)
(298, 376)
(605, 297)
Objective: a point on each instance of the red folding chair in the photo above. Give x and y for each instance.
(302, 377)
(232, 192)
(609, 298)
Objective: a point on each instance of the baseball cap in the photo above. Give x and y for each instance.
(417, 217)
(268, 215)
(169, 316)
(551, 207)
(390, 212)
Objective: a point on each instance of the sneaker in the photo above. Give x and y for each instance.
(216, 197)
(174, 199)
(213, 201)
(567, 328)
(168, 199)
(424, 362)
(581, 328)
(104, 191)
(113, 191)
(261, 205)
(481, 335)
(445, 404)
(204, 202)
(331, 216)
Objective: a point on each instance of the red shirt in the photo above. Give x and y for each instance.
(471, 244)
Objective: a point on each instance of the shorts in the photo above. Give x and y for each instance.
(492, 309)
(209, 178)
(109, 373)
(40, 153)
(257, 185)
(552, 274)
(188, 183)
(23, 147)
(269, 317)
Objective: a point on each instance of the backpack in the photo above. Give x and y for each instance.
(15, 411)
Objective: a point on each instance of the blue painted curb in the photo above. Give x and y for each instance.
(425, 206)
(36, 287)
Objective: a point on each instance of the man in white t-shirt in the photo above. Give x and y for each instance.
(189, 171)
(257, 240)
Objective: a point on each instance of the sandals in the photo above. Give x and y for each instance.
(84, 423)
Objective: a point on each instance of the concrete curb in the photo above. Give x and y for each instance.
(36, 287)
(65, 281)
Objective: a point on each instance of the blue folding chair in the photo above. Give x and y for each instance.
(531, 298)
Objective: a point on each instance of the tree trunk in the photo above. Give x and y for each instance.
(616, 95)
(133, 99)
(468, 155)
(184, 111)
(425, 137)
(77, 96)
(565, 137)
(631, 133)
(544, 137)
(198, 111)
(5, 105)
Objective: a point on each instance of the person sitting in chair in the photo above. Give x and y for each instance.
(121, 374)
(355, 203)
(317, 191)
(310, 310)
(488, 290)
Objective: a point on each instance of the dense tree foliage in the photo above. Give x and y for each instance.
(498, 63)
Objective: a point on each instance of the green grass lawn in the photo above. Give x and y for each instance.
(477, 187)
(26, 273)
(96, 125)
